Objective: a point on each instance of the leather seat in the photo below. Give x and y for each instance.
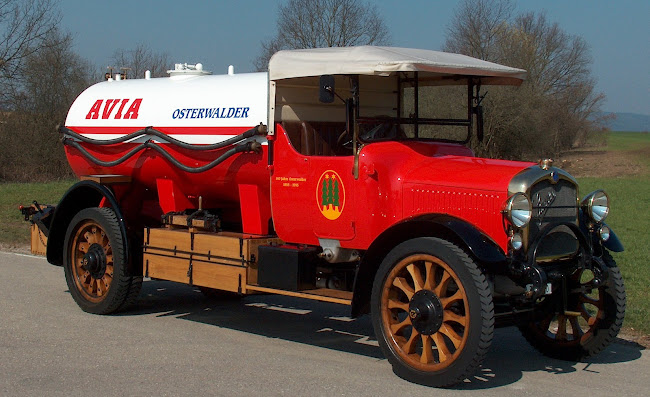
(314, 138)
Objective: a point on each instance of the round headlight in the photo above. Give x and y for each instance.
(516, 242)
(596, 205)
(518, 210)
(603, 232)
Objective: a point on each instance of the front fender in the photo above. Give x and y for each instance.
(81, 195)
(613, 243)
(486, 252)
(482, 247)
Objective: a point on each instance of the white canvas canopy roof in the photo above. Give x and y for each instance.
(385, 61)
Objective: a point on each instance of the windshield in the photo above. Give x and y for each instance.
(419, 110)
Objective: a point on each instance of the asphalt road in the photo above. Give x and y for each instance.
(177, 343)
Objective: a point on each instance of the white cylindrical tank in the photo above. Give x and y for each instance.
(192, 107)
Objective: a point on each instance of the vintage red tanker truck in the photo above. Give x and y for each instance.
(341, 175)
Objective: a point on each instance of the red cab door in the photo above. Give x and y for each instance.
(311, 196)
(333, 212)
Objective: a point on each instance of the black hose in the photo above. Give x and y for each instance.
(257, 130)
(70, 142)
(246, 147)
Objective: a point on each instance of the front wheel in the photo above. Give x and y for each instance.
(98, 277)
(591, 321)
(432, 312)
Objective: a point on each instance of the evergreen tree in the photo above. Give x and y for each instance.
(329, 191)
(324, 196)
(335, 194)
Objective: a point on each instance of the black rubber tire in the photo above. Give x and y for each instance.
(124, 286)
(595, 337)
(477, 310)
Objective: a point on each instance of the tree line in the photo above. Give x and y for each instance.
(40, 76)
(553, 111)
(556, 108)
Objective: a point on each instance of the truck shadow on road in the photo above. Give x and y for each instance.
(328, 326)
(511, 356)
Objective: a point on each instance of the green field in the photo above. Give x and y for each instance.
(13, 229)
(628, 141)
(629, 219)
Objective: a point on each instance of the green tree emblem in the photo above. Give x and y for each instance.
(335, 192)
(324, 197)
(330, 199)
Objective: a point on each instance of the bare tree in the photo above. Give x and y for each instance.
(52, 78)
(555, 108)
(23, 26)
(55, 75)
(476, 26)
(324, 23)
(140, 59)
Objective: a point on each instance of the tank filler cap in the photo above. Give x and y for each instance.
(185, 69)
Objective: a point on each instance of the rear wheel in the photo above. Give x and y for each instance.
(98, 277)
(590, 323)
(432, 312)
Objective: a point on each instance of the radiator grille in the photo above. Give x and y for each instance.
(554, 204)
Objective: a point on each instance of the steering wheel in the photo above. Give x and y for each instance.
(341, 142)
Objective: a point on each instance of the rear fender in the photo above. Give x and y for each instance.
(485, 251)
(84, 194)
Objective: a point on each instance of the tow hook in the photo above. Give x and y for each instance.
(40, 215)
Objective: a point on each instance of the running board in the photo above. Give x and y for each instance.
(318, 294)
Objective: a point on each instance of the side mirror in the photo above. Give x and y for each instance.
(479, 122)
(326, 91)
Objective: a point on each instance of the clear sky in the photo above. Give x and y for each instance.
(221, 33)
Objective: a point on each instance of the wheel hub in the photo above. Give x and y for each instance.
(95, 261)
(426, 312)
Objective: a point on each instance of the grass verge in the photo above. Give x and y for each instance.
(14, 231)
(630, 220)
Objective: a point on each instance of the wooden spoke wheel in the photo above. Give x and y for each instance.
(99, 279)
(432, 312)
(424, 309)
(92, 261)
(593, 317)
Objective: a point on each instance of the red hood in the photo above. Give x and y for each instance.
(469, 188)
(402, 180)
(465, 172)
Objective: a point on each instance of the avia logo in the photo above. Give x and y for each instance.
(543, 204)
(115, 108)
(330, 195)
